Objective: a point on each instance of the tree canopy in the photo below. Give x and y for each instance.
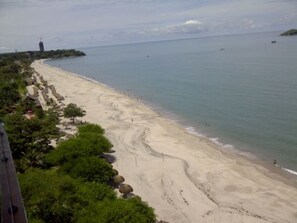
(89, 169)
(118, 211)
(29, 139)
(72, 111)
(84, 144)
(59, 198)
(91, 128)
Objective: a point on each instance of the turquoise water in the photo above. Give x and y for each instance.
(240, 91)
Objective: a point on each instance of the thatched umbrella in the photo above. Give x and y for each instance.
(117, 179)
(125, 189)
(115, 172)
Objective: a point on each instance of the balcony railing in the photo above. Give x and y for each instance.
(12, 205)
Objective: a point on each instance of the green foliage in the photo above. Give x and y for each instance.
(51, 199)
(118, 211)
(10, 83)
(72, 111)
(26, 134)
(94, 191)
(96, 140)
(51, 116)
(9, 94)
(57, 198)
(89, 169)
(87, 144)
(29, 139)
(87, 128)
(58, 54)
(60, 198)
(32, 55)
(9, 70)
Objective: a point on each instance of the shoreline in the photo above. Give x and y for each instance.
(184, 177)
(252, 152)
(214, 141)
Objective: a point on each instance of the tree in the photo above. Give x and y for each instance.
(117, 211)
(86, 144)
(89, 169)
(25, 135)
(9, 94)
(72, 111)
(91, 128)
(52, 197)
(29, 139)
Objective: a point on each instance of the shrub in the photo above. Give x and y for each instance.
(118, 211)
(89, 169)
(87, 144)
(49, 197)
(52, 197)
(91, 128)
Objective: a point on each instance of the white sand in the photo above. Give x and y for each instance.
(183, 177)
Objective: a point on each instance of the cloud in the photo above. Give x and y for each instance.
(188, 27)
(76, 23)
(192, 22)
(250, 23)
(155, 32)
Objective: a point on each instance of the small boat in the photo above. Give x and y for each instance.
(273, 41)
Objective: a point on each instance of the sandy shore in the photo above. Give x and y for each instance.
(183, 177)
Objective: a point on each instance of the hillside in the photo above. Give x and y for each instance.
(290, 32)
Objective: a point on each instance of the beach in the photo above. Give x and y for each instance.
(183, 177)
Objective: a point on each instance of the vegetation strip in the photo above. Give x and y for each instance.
(73, 182)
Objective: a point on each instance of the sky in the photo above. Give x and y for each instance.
(82, 23)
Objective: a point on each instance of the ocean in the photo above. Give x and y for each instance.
(239, 91)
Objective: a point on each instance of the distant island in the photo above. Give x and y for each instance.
(290, 32)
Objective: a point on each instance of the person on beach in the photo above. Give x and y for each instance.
(274, 162)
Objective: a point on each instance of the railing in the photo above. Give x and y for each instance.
(12, 206)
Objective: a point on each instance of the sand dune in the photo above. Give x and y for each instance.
(182, 176)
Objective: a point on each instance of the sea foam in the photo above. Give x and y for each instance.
(290, 171)
(216, 141)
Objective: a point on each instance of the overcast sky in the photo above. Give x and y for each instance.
(81, 23)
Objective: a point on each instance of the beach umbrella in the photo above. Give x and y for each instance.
(118, 179)
(115, 172)
(125, 189)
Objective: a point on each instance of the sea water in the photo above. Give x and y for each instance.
(239, 91)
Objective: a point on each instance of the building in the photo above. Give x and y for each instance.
(41, 47)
